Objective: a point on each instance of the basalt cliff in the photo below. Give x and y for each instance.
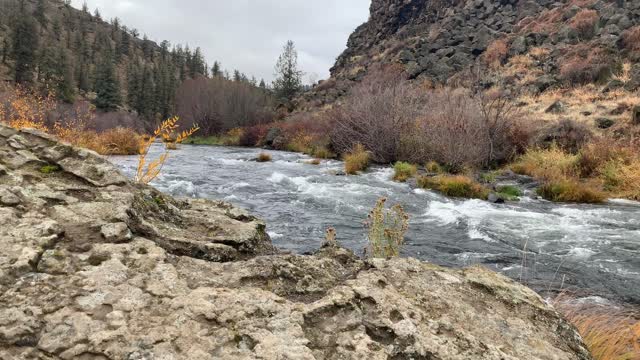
(94, 266)
(534, 45)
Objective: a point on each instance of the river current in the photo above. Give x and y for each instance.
(593, 250)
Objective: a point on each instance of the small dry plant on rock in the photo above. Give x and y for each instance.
(386, 229)
(149, 170)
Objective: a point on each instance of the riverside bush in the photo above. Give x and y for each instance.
(571, 191)
(454, 186)
(357, 160)
(404, 171)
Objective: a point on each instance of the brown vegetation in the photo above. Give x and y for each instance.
(611, 333)
(264, 157)
(584, 23)
(455, 186)
(356, 160)
(218, 105)
(496, 53)
(386, 229)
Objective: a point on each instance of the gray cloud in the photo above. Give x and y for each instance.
(247, 35)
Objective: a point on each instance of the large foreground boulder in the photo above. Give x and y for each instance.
(95, 267)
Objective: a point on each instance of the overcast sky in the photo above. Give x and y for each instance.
(247, 35)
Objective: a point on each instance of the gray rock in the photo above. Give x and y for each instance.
(604, 123)
(495, 198)
(635, 115)
(8, 198)
(558, 107)
(518, 46)
(116, 233)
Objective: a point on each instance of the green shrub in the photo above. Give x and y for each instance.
(386, 229)
(433, 167)
(357, 160)
(571, 191)
(404, 171)
(49, 169)
(509, 192)
(455, 186)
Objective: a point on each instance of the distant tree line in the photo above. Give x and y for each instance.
(54, 48)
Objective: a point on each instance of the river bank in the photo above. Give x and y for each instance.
(591, 249)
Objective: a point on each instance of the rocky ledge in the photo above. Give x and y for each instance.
(96, 267)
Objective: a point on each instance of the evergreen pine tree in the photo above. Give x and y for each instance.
(40, 13)
(288, 78)
(65, 89)
(107, 87)
(262, 85)
(215, 69)
(5, 50)
(25, 46)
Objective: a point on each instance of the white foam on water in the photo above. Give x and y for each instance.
(277, 178)
(182, 188)
(225, 189)
(476, 234)
(228, 161)
(624, 202)
(581, 254)
(274, 235)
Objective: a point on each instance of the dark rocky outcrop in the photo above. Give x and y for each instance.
(439, 40)
(96, 267)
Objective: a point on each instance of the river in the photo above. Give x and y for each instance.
(593, 250)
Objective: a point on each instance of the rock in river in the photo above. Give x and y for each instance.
(94, 266)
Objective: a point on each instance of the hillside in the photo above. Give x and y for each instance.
(533, 45)
(51, 46)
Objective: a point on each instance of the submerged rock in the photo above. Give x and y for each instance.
(96, 267)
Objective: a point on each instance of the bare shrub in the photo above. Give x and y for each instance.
(496, 53)
(584, 23)
(569, 135)
(378, 113)
(585, 66)
(400, 121)
(218, 105)
(631, 38)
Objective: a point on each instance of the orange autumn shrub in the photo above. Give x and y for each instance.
(148, 170)
(22, 108)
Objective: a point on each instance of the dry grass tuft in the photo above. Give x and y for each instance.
(357, 160)
(610, 333)
(547, 164)
(455, 186)
(404, 171)
(570, 190)
(264, 157)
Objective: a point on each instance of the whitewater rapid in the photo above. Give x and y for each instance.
(594, 250)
